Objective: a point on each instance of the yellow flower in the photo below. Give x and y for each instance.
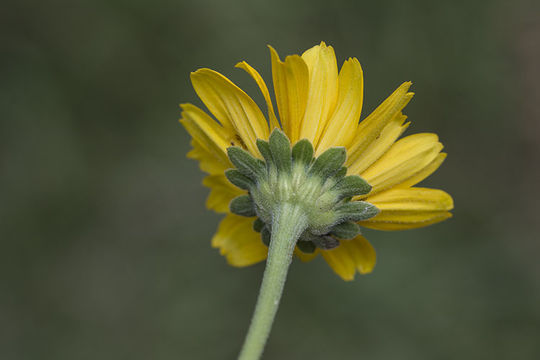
(318, 103)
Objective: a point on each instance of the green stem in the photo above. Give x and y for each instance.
(288, 223)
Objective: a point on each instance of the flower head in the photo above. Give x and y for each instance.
(318, 114)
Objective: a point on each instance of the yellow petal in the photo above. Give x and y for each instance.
(305, 257)
(351, 256)
(208, 133)
(409, 208)
(370, 128)
(291, 83)
(221, 192)
(340, 262)
(231, 106)
(424, 173)
(208, 162)
(340, 128)
(264, 90)
(405, 159)
(238, 242)
(323, 91)
(380, 145)
(362, 253)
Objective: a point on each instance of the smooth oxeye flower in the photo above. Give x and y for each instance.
(306, 178)
(316, 103)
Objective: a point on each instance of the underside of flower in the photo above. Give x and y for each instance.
(317, 185)
(316, 101)
(300, 199)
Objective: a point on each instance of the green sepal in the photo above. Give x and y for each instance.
(242, 205)
(307, 247)
(351, 185)
(258, 225)
(264, 149)
(262, 165)
(329, 162)
(238, 179)
(346, 230)
(280, 146)
(244, 162)
(302, 152)
(356, 211)
(326, 242)
(341, 173)
(266, 236)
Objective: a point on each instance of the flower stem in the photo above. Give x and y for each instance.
(288, 223)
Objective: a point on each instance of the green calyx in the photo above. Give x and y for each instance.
(319, 186)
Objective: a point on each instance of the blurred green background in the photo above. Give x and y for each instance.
(104, 250)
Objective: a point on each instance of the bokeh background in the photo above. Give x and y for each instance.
(104, 240)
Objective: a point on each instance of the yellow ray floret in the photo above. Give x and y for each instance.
(369, 130)
(207, 161)
(342, 124)
(221, 192)
(231, 106)
(322, 93)
(264, 90)
(409, 208)
(351, 256)
(237, 241)
(291, 85)
(405, 158)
